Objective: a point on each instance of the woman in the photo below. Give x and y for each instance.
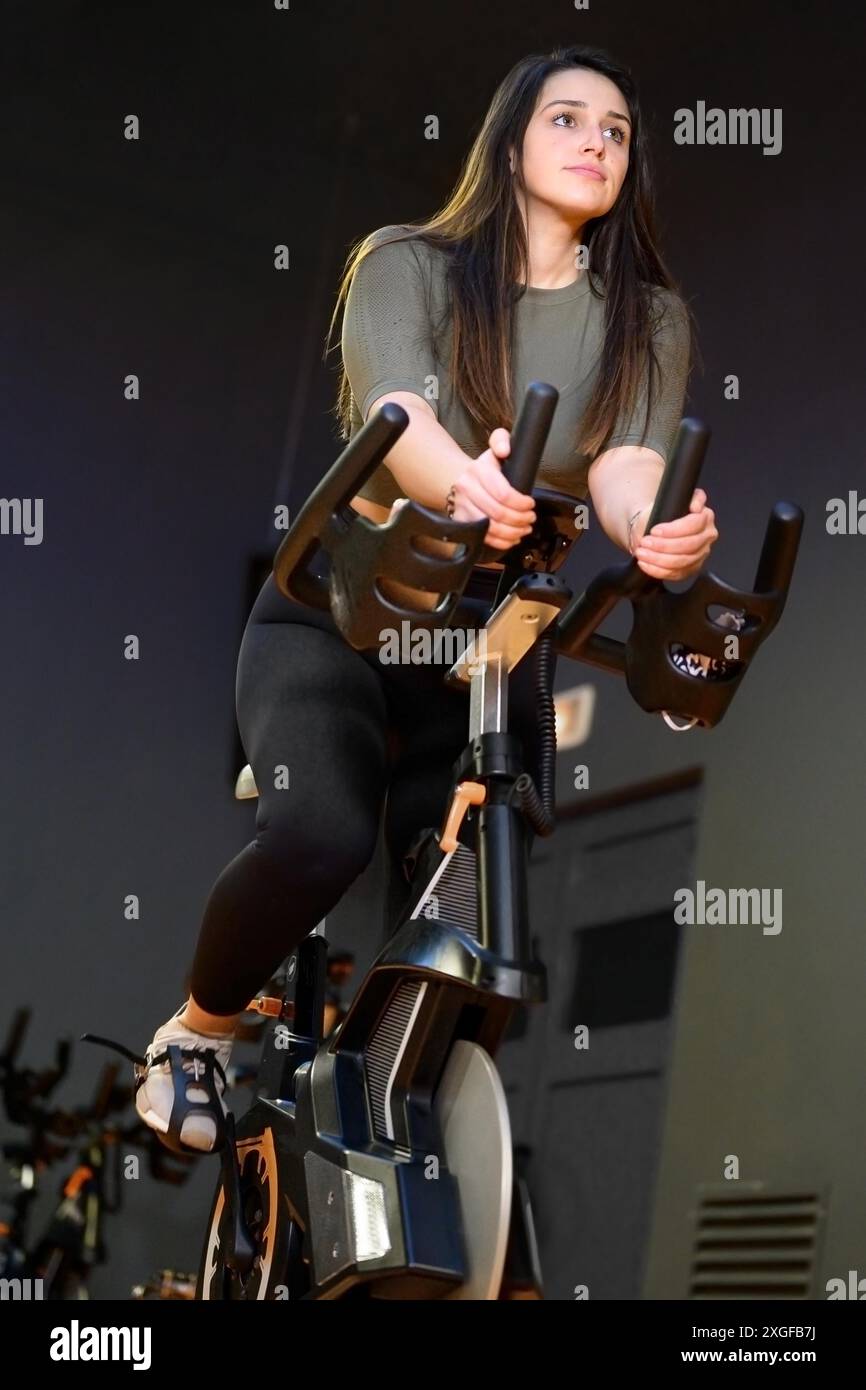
(542, 265)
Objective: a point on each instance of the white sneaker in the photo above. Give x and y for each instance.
(180, 1084)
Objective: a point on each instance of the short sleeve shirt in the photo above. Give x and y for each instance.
(396, 337)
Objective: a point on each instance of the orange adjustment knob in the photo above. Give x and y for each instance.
(466, 794)
(266, 1006)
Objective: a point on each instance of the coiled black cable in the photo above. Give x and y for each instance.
(539, 803)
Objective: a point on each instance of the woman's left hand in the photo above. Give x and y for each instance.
(678, 549)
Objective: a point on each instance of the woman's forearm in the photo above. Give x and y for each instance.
(623, 481)
(425, 461)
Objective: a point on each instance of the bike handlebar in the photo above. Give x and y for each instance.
(530, 435)
(361, 552)
(681, 473)
(317, 522)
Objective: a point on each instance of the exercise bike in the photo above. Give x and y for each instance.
(377, 1162)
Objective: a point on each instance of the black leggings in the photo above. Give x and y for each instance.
(354, 734)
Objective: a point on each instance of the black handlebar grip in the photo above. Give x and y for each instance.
(358, 461)
(779, 550)
(681, 473)
(530, 435)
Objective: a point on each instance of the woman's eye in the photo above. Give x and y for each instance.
(618, 128)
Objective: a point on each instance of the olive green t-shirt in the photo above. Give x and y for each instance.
(397, 300)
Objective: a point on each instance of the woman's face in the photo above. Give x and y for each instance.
(580, 119)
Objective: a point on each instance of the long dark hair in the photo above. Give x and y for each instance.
(481, 230)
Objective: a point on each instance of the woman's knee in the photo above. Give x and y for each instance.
(315, 849)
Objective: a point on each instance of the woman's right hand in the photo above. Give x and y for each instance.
(481, 490)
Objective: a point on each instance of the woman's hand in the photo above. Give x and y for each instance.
(676, 549)
(482, 491)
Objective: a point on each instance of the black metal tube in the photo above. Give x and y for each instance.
(502, 866)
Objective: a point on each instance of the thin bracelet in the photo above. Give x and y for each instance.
(451, 500)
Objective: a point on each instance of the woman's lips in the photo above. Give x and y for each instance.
(590, 173)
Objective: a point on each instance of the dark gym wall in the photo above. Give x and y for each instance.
(155, 257)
